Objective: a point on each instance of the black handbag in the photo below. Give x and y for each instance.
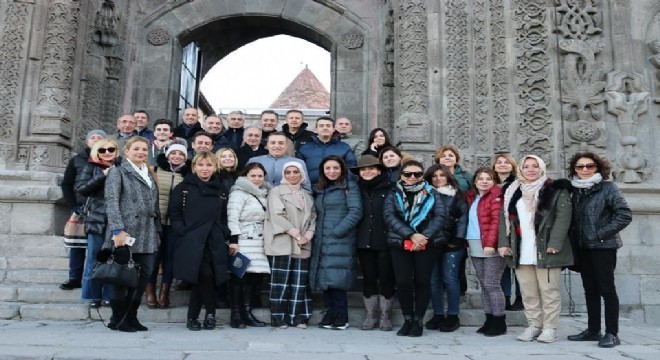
(111, 272)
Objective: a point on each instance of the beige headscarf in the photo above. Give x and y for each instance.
(530, 190)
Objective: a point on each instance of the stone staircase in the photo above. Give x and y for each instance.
(33, 266)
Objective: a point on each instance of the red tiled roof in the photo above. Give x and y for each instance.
(304, 92)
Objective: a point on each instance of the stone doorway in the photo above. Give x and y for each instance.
(220, 27)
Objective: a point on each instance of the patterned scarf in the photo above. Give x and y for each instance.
(422, 202)
(586, 183)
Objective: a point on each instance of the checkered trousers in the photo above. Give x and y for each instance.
(290, 300)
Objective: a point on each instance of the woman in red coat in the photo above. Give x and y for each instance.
(485, 203)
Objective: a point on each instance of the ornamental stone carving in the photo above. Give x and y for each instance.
(458, 125)
(158, 36)
(627, 98)
(106, 25)
(352, 41)
(654, 47)
(581, 86)
(532, 71)
(412, 78)
(499, 78)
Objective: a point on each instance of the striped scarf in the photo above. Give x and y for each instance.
(423, 201)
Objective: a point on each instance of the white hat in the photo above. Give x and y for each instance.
(178, 147)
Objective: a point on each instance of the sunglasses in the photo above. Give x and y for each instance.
(585, 166)
(110, 150)
(417, 174)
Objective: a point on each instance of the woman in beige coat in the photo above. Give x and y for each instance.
(288, 232)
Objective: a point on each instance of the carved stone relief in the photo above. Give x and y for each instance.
(12, 44)
(158, 36)
(499, 78)
(535, 133)
(627, 98)
(386, 119)
(581, 83)
(412, 123)
(654, 46)
(352, 41)
(106, 24)
(458, 125)
(51, 115)
(481, 101)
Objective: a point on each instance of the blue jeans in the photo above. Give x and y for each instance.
(76, 263)
(336, 300)
(91, 289)
(445, 279)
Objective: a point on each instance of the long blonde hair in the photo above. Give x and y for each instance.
(94, 152)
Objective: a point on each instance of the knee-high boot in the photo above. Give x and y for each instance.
(246, 311)
(235, 319)
(119, 319)
(385, 313)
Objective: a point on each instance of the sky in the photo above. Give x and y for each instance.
(258, 72)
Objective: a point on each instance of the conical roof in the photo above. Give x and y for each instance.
(304, 92)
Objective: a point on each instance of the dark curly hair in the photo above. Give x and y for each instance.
(602, 165)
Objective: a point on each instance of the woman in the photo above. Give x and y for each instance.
(131, 198)
(246, 212)
(173, 167)
(506, 168)
(391, 157)
(373, 251)
(449, 156)
(91, 185)
(288, 231)
(197, 207)
(534, 236)
(227, 165)
(71, 175)
(334, 265)
(445, 276)
(415, 215)
(600, 213)
(378, 140)
(484, 204)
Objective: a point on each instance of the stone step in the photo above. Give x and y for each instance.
(79, 311)
(49, 276)
(37, 262)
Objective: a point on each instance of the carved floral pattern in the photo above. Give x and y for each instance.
(458, 123)
(532, 72)
(481, 77)
(500, 77)
(158, 36)
(352, 41)
(413, 73)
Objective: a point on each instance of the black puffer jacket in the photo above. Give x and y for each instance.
(453, 234)
(599, 214)
(71, 175)
(372, 229)
(91, 184)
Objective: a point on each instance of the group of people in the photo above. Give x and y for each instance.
(311, 217)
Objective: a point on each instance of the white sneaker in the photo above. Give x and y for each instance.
(529, 334)
(547, 336)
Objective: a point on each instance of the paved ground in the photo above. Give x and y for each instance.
(90, 340)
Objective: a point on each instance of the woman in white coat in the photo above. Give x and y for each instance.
(246, 212)
(288, 234)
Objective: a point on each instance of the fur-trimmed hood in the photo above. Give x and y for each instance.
(546, 194)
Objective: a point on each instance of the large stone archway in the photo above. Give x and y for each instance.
(220, 27)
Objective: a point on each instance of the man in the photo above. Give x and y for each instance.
(234, 132)
(142, 129)
(126, 125)
(201, 141)
(344, 127)
(190, 125)
(276, 158)
(295, 129)
(251, 146)
(269, 121)
(322, 145)
(214, 127)
(162, 140)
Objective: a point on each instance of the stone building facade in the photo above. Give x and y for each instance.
(548, 77)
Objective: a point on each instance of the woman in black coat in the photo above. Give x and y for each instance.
(75, 202)
(378, 140)
(599, 213)
(373, 251)
(91, 185)
(415, 215)
(197, 215)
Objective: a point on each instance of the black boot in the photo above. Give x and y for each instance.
(497, 327)
(416, 329)
(246, 311)
(517, 304)
(451, 324)
(132, 316)
(235, 320)
(507, 302)
(407, 325)
(435, 322)
(119, 319)
(209, 322)
(486, 325)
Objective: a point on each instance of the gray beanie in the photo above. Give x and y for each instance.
(95, 132)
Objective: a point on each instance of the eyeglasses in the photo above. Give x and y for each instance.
(590, 166)
(408, 174)
(110, 150)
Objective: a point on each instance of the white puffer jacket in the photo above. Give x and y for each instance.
(245, 217)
